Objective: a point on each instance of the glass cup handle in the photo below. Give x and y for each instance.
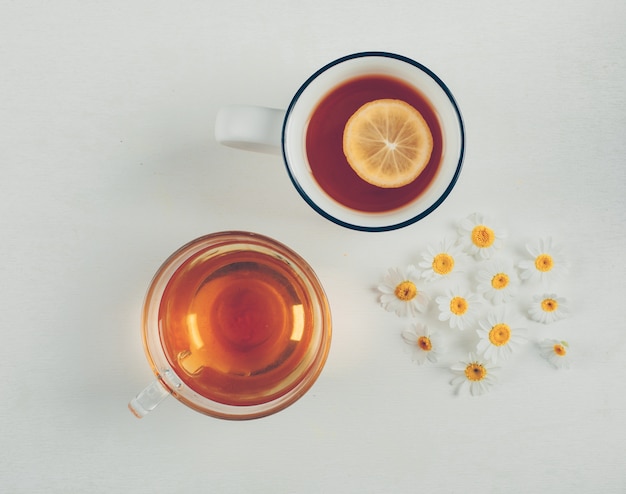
(253, 128)
(153, 394)
(148, 399)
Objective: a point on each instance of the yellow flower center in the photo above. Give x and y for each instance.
(458, 306)
(559, 350)
(475, 371)
(500, 334)
(443, 263)
(500, 281)
(549, 305)
(482, 236)
(406, 291)
(424, 343)
(544, 262)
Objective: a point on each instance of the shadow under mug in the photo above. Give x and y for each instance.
(263, 129)
(235, 325)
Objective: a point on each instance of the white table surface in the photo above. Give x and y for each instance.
(109, 164)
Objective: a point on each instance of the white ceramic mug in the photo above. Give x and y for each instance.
(264, 129)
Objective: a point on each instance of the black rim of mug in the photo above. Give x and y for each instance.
(420, 215)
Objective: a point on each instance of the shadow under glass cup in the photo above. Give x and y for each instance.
(309, 135)
(235, 325)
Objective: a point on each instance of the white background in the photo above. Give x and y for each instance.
(109, 164)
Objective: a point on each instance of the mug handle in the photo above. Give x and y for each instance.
(252, 128)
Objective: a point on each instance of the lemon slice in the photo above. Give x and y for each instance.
(387, 143)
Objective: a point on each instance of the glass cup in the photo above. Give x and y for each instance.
(235, 325)
(327, 96)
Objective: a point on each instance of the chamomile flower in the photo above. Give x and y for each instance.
(425, 344)
(546, 261)
(556, 352)
(479, 237)
(475, 373)
(548, 308)
(459, 308)
(399, 292)
(497, 281)
(440, 261)
(499, 338)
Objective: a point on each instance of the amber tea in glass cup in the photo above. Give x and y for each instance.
(235, 325)
(310, 136)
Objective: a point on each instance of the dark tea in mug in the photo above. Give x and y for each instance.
(324, 144)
